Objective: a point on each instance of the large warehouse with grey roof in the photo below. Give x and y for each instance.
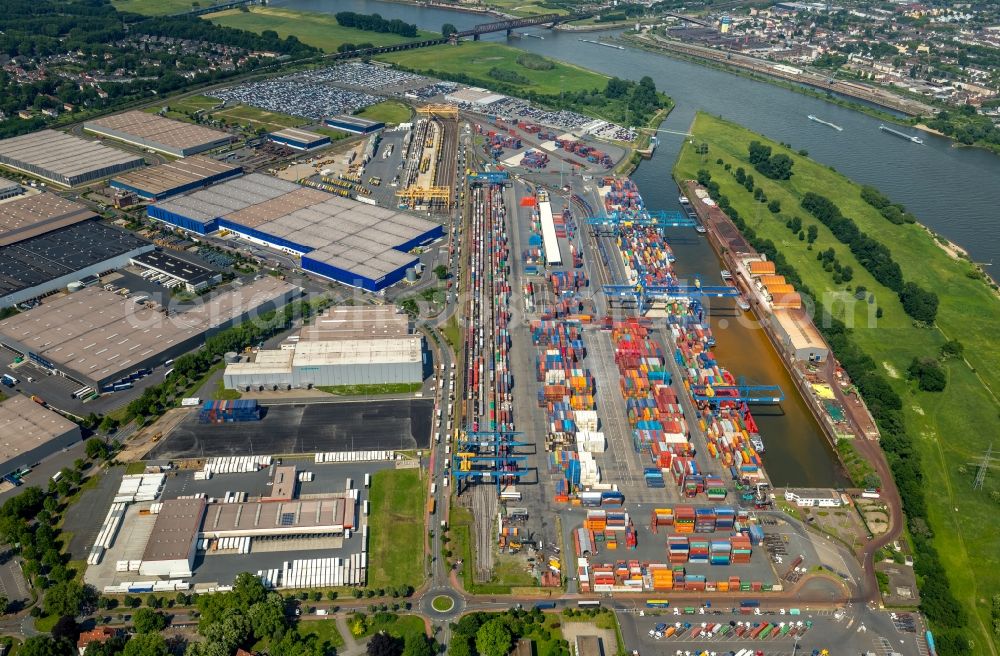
(178, 177)
(158, 133)
(64, 159)
(30, 432)
(97, 338)
(338, 238)
(47, 242)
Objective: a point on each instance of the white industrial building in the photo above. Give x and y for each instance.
(332, 363)
(814, 498)
(364, 345)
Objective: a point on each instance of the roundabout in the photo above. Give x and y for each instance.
(442, 603)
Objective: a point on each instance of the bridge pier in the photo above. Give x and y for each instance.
(509, 32)
(475, 37)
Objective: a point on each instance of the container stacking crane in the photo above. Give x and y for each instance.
(741, 392)
(610, 224)
(642, 295)
(488, 457)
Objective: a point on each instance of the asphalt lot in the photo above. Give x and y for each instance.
(306, 428)
(12, 583)
(843, 632)
(88, 515)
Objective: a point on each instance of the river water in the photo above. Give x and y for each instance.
(955, 192)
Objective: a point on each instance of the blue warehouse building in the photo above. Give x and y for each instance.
(299, 139)
(345, 240)
(177, 177)
(354, 124)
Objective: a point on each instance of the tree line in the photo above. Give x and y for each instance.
(375, 23)
(191, 366)
(937, 600)
(776, 167)
(892, 212)
(874, 256)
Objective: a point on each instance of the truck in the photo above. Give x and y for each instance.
(749, 603)
(545, 605)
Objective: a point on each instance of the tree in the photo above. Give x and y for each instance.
(919, 303)
(4, 604)
(418, 645)
(383, 644)
(493, 639)
(774, 206)
(146, 644)
(930, 376)
(146, 620)
(65, 598)
(44, 645)
(952, 349)
(94, 447)
(441, 271)
(812, 232)
(448, 29)
(268, 617)
(66, 628)
(249, 589)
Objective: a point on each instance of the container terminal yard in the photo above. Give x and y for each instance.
(577, 420)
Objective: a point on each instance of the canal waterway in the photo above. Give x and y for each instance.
(955, 192)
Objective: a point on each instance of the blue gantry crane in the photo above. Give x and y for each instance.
(488, 177)
(488, 456)
(741, 392)
(609, 225)
(642, 295)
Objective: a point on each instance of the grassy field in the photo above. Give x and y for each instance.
(397, 529)
(399, 626)
(508, 572)
(388, 111)
(335, 135)
(953, 428)
(369, 390)
(476, 59)
(312, 28)
(324, 630)
(524, 8)
(220, 393)
(155, 7)
(254, 118)
(183, 108)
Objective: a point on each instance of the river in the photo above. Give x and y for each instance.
(954, 191)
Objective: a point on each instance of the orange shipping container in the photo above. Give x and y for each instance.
(769, 280)
(775, 290)
(759, 267)
(787, 302)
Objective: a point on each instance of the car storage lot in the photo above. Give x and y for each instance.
(306, 428)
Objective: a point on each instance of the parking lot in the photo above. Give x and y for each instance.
(563, 119)
(842, 631)
(310, 94)
(306, 428)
